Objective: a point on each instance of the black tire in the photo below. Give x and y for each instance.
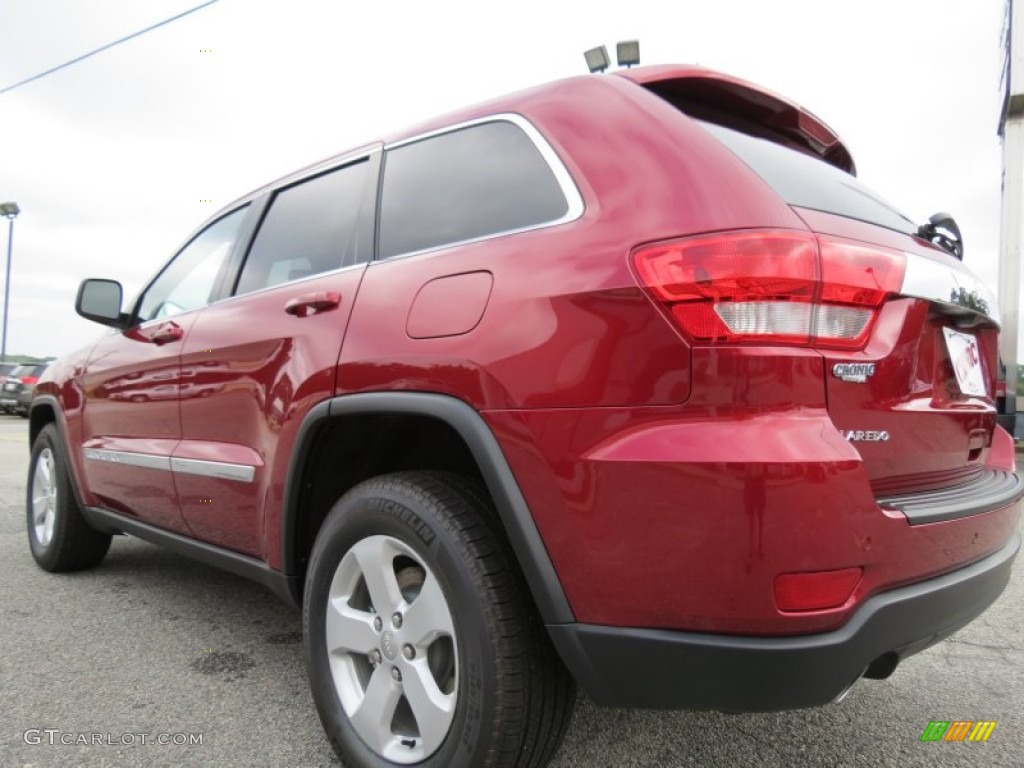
(71, 544)
(513, 697)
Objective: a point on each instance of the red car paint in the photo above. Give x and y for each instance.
(652, 464)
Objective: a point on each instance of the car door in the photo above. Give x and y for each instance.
(131, 420)
(254, 364)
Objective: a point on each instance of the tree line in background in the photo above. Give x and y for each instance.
(26, 359)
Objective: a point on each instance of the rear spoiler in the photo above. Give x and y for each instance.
(735, 103)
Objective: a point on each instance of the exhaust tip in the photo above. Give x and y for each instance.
(883, 666)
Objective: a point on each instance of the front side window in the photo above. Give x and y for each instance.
(469, 183)
(310, 228)
(190, 280)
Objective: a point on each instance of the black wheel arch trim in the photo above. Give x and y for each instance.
(58, 421)
(513, 510)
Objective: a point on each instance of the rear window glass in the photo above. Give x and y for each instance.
(465, 184)
(23, 371)
(808, 182)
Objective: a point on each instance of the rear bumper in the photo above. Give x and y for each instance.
(681, 670)
(992, 489)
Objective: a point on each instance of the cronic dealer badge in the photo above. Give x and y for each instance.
(855, 372)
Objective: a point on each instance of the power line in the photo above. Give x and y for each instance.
(77, 59)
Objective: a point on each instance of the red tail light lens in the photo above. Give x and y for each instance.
(30, 380)
(771, 286)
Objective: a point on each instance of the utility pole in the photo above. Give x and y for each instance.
(1011, 128)
(10, 212)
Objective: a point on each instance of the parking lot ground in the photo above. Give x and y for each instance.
(153, 643)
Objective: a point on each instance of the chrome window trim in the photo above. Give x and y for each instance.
(571, 193)
(941, 282)
(296, 281)
(220, 469)
(319, 168)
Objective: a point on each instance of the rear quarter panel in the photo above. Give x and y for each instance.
(566, 323)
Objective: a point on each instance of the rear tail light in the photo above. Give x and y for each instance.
(772, 286)
(30, 380)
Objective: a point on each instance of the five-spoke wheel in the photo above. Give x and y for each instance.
(58, 534)
(393, 654)
(423, 645)
(44, 497)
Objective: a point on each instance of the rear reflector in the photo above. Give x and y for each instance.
(815, 591)
(773, 286)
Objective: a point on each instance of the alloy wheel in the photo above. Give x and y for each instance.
(44, 497)
(392, 649)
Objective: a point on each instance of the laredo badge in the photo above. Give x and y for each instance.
(865, 435)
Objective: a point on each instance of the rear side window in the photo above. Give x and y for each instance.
(469, 183)
(808, 182)
(309, 228)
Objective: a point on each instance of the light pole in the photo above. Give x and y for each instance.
(10, 212)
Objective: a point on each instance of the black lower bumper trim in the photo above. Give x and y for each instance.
(661, 669)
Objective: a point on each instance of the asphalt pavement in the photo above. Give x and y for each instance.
(152, 647)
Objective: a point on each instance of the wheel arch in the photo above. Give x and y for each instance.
(46, 409)
(43, 411)
(466, 438)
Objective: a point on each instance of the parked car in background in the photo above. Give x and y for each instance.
(17, 390)
(624, 380)
(5, 369)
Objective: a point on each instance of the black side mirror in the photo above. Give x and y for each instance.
(100, 301)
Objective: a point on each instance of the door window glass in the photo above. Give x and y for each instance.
(310, 228)
(190, 280)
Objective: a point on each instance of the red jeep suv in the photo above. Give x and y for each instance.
(623, 381)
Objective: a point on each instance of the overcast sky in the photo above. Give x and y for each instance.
(111, 158)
